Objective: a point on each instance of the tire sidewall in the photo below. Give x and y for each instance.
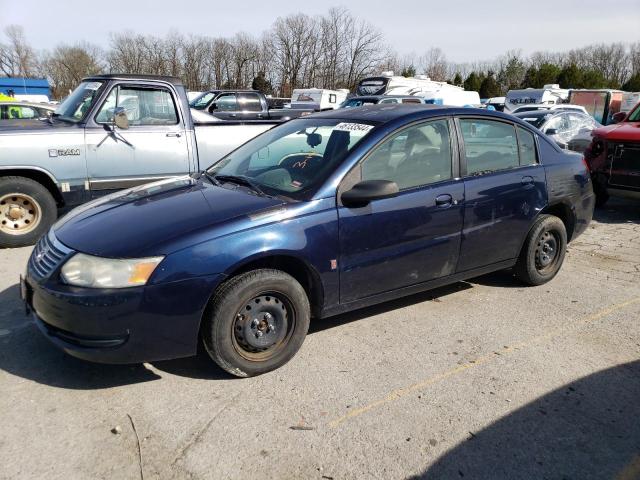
(48, 209)
(218, 331)
(529, 273)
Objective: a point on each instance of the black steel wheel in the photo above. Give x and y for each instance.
(543, 251)
(256, 322)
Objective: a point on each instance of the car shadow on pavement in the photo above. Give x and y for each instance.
(618, 210)
(588, 429)
(26, 353)
(434, 295)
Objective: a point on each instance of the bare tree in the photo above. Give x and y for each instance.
(66, 65)
(434, 64)
(17, 58)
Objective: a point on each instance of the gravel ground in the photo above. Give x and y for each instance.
(481, 379)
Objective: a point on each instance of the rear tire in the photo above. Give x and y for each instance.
(256, 322)
(600, 189)
(27, 211)
(543, 251)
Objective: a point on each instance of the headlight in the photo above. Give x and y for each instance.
(95, 272)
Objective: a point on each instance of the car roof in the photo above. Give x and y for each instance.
(18, 103)
(387, 112)
(379, 97)
(129, 76)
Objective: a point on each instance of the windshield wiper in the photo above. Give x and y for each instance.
(240, 180)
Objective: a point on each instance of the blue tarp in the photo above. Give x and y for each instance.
(25, 86)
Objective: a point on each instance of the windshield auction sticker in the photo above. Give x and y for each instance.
(353, 127)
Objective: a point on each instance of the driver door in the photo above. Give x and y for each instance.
(153, 147)
(411, 238)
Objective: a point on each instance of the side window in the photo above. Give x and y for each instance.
(143, 106)
(489, 145)
(226, 103)
(418, 155)
(411, 100)
(249, 102)
(389, 100)
(527, 147)
(332, 98)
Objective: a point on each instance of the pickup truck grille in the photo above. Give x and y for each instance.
(47, 256)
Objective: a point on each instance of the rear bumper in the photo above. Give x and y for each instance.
(133, 325)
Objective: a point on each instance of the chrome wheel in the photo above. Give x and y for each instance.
(19, 213)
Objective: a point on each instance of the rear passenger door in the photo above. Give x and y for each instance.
(505, 188)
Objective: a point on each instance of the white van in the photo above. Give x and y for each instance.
(439, 93)
(547, 95)
(318, 98)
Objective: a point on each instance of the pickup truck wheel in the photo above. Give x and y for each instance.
(256, 322)
(543, 251)
(27, 210)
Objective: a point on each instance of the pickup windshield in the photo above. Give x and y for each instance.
(201, 101)
(295, 158)
(75, 106)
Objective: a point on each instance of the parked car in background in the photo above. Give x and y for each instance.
(562, 126)
(10, 111)
(558, 106)
(614, 158)
(318, 216)
(379, 99)
(318, 99)
(547, 95)
(112, 132)
(496, 102)
(601, 104)
(242, 105)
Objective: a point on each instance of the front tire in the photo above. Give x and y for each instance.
(543, 251)
(27, 211)
(256, 322)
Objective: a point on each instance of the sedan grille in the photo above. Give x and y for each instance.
(47, 256)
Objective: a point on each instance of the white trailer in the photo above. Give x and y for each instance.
(318, 98)
(430, 91)
(548, 95)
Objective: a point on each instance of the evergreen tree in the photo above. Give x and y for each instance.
(409, 71)
(490, 87)
(261, 84)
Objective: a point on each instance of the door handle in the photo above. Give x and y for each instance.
(233, 115)
(173, 134)
(444, 201)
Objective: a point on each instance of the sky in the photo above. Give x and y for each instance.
(466, 30)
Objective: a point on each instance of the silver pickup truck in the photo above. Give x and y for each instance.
(112, 132)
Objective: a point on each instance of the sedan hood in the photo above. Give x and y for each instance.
(623, 131)
(142, 221)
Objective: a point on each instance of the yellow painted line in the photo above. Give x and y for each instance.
(402, 392)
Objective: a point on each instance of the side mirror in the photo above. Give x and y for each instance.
(364, 192)
(551, 131)
(120, 118)
(618, 117)
(213, 107)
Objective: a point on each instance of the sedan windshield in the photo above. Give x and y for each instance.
(76, 105)
(293, 159)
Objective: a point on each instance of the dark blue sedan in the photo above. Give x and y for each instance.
(318, 216)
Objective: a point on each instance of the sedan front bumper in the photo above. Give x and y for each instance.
(132, 325)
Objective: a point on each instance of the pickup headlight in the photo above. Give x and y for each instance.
(95, 272)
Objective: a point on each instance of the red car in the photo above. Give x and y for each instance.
(614, 158)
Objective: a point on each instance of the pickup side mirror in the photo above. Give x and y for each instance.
(551, 131)
(120, 118)
(364, 192)
(618, 117)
